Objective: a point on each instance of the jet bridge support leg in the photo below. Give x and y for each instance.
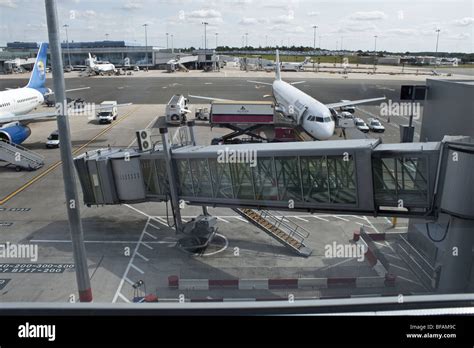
(172, 180)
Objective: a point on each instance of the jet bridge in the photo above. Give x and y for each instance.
(351, 176)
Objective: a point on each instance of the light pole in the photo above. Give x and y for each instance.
(67, 44)
(167, 35)
(246, 39)
(315, 27)
(437, 41)
(266, 41)
(172, 43)
(375, 51)
(342, 40)
(146, 42)
(106, 37)
(217, 34)
(205, 36)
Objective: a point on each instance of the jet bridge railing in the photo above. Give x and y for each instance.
(351, 176)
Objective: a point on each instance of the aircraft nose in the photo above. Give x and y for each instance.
(327, 131)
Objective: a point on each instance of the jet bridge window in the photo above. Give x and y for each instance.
(401, 181)
(328, 180)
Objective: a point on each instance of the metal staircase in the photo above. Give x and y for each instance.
(284, 231)
(20, 157)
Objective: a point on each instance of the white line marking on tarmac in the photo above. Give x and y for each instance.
(156, 227)
(127, 269)
(150, 235)
(340, 218)
(336, 264)
(143, 257)
(137, 269)
(146, 245)
(241, 219)
(128, 280)
(221, 219)
(320, 218)
(123, 297)
(298, 218)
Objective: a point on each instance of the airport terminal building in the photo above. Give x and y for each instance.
(119, 53)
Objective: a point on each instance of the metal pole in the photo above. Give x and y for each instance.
(217, 34)
(67, 44)
(172, 43)
(246, 39)
(375, 51)
(167, 40)
(205, 36)
(146, 43)
(172, 180)
(437, 40)
(72, 201)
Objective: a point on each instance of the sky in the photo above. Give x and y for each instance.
(400, 25)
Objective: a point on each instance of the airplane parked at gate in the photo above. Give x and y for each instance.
(313, 116)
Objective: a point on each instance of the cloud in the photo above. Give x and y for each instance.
(368, 16)
(402, 32)
(132, 5)
(88, 14)
(349, 27)
(464, 21)
(284, 19)
(203, 14)
(462, 36)
(8, 3)
(314, 13)
(252, 21)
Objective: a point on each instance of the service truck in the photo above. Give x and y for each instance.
(108, 111)
(176, 109)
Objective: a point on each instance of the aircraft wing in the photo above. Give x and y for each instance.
(68, 90)
(353, 102)
(208, 98)
(26, 117)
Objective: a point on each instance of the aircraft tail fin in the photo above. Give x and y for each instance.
(38, 75)
(90, 61)
(277, 66)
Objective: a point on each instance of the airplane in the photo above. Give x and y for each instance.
(289, 66)
(313, 116)
(294, 66)
(100, 67)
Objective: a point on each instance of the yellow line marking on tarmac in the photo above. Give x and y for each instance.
(57, 164)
